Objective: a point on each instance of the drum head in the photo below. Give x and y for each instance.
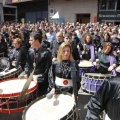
(49, 109)
(85, 63)
(12, 88)
(118, 69)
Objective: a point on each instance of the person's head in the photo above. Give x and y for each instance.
(106, 36)
(1, 37)
(108, 48)
(44, 37)
(87, 39)
(59, 36)
(35, 40)
(96, 32)
(74, 34)
(65, 52)
(17, 43)
(50, 29)
(68, 38)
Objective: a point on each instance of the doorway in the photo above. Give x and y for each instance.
(83, 18)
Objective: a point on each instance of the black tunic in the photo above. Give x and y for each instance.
(108, 99)
(43, 60)
(61, 70)
(104, 62)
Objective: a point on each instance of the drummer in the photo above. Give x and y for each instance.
(107, 98)
(75, 53)
(3, 46)
(17, 55)
(88, 53)
(41, 59)
(59, 73)
(105, 61)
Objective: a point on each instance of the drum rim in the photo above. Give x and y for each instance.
(97, 75)
(17, 94)
(37, 99)
(30, 104)
(10, 74)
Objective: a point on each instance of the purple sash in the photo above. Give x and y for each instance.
(92, 52)
(111, 62)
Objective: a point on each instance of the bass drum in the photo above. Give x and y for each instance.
(59, 107)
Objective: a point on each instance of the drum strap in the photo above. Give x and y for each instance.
(74, 79)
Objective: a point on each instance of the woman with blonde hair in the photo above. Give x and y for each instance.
(60, 73)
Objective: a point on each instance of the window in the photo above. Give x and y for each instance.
(118, 4)
(111, 4)
(103, 4)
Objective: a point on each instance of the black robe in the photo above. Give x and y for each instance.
(107, 98)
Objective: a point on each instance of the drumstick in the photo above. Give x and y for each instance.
(85, 47)
(97, 63)
(6, 69)
(26, 85)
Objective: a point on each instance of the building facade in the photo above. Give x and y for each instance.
(72, 11)
(30, 10)
(109, 11)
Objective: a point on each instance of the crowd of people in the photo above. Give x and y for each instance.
(51, 48)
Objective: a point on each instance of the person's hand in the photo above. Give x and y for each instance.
(90, 60)
(118, 51)
(83, 52)
(110, 68)
(52, 91)
(78, 47)
(48, 49)
(53, 59)
(73, 97)
(25, 77)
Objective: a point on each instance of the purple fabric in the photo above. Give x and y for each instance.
(111, 62)
(92, 52)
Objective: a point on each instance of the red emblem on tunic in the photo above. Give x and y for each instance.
(65, 82)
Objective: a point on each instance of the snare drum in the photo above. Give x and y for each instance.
(10, 92)
(85, 67)
(12, 73)
(91, 82)
(59, 107)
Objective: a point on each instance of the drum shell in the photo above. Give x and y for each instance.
(85, 67)
(10, 74)
(10, 103)
(66, 117)
(91, 84)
